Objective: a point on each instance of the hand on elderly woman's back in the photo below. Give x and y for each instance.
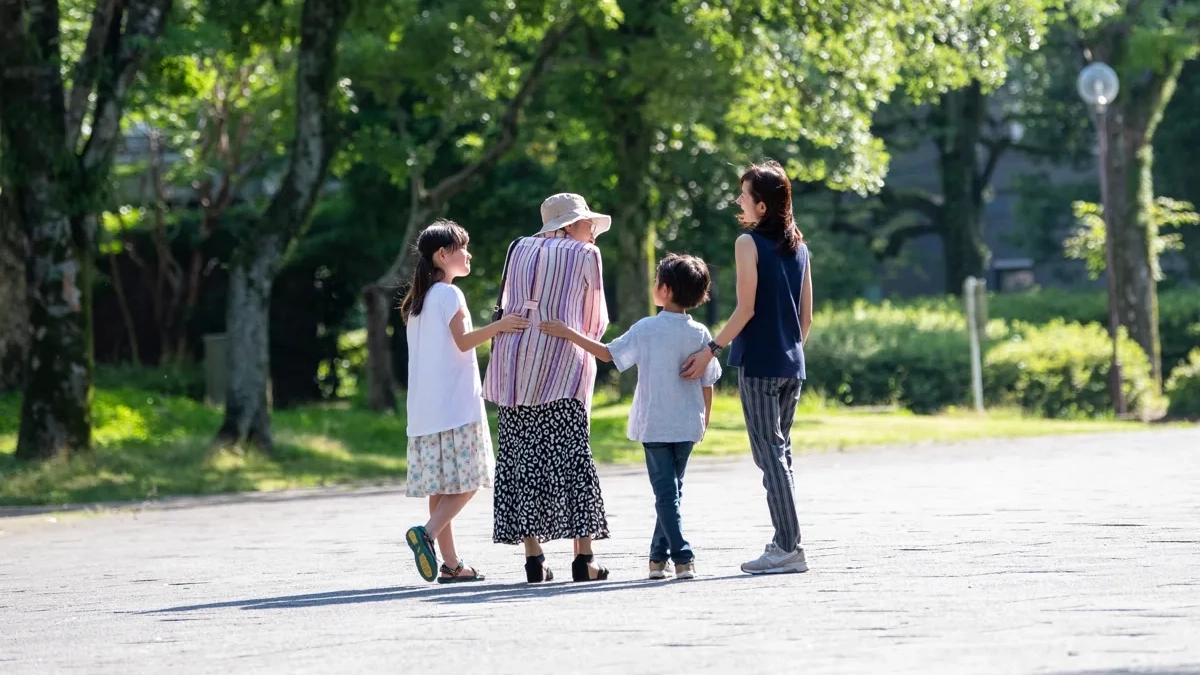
(556, 329)
(512, 323)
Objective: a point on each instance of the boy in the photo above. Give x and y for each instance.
(670, 414)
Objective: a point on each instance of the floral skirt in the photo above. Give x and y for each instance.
(450, 462)
(546, 483)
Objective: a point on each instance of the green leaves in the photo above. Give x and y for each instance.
(1087, 241)
(427, 75)
(947, 45)
(1137, 36)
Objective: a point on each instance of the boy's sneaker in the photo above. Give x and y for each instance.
(775, 560)
(658, 570)
(685, 570)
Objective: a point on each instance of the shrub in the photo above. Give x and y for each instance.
(917, 357)
(1183, 388)
(341, 376)
(1061, 370)
(1178, 313)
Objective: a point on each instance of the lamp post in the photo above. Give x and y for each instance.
(1098, 86)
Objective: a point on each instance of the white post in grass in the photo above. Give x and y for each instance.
(970, 291)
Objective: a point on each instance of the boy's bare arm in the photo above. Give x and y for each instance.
(559, 329)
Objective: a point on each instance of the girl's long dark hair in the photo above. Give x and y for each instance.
(769, 185)
(441, 234)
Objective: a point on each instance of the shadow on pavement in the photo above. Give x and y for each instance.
(443, 594)
(1169, 670)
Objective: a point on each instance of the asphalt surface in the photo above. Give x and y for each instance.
(1058, 555)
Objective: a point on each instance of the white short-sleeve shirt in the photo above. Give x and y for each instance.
(444, 389)
(666, 407)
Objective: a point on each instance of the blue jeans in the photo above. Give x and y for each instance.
(666, 463)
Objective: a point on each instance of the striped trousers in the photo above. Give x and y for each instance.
(769, 406)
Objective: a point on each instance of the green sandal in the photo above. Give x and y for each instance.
(422, 547)
(457, 576)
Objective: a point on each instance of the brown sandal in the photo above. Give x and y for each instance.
(457, 576)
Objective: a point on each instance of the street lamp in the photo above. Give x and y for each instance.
(1098, 87)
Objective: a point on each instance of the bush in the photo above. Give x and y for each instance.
(917, 357)
(1178, 313)
(341, 376)
(1061, 370)
(1183, 388)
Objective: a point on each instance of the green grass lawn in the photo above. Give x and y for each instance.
(148, 446)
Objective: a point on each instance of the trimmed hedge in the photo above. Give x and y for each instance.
(918, 357)
(1178, 315)
(1062, 370)
(1183, 388)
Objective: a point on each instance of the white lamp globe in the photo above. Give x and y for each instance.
(1098, 84)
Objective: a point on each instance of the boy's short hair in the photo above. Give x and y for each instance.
(687, 277)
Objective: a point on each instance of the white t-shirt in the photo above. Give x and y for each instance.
(444, 390)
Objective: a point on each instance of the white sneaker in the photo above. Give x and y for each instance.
(685, 570)
(658, 570)
(775, 560)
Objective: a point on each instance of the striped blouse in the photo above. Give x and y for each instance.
(553, 277)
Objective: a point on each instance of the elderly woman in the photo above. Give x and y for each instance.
(546, 486)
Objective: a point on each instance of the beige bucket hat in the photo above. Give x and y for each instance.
(560, 210)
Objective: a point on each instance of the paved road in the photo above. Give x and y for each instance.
(1068, 555)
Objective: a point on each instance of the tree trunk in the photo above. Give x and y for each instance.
(1133, 231)
(247, 323)
(635, 237)
(14, 309)
(247, 414)
(195, 278)
(962, 115)
(1130, 125)
(52, 179)
(381, 380)
(123, 303)
(381, 392)
(712, 310)
(56, 417)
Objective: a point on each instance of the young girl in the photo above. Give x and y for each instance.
(449, 444)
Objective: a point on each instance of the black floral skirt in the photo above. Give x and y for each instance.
(546, 485)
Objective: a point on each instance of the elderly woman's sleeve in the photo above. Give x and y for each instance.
(595, 309)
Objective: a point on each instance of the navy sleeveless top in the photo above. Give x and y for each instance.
(770, 344)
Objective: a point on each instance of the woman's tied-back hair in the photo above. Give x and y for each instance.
(769, 185)
(441, 234)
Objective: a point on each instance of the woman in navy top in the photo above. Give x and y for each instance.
(767, 333)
